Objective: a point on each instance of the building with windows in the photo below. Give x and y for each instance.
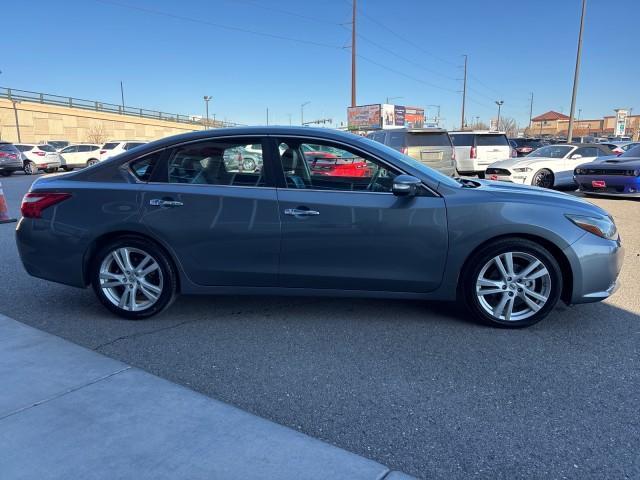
(554, 124)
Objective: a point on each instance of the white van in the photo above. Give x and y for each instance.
(475, 151)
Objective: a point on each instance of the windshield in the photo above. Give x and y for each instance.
(551, 151)
(437, 176)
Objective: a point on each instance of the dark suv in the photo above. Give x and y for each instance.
(524, 146)
(430, 146)
(10, 159)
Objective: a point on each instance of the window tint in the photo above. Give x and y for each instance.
(69, 149)
(110, 145)
(491, 140)
(85, 148)
(46, 148)
(24, 148)
(463, 139)
(396, 140)
(340, 169)
(130, 145)
(221, 162)
(424, 139)
(143, 166)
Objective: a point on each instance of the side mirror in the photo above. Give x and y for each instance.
(405, 186)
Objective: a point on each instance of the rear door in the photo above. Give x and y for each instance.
(492, 147)
(433, 149)
(352, 233)
(223, 224)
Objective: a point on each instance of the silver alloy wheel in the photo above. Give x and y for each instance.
(513, 286)
(249, 165)
(30, 168)
(91, 162)
(131, 279)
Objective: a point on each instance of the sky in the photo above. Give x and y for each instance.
(254, 55)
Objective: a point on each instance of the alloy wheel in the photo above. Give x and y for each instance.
(131, 279)
(543, 179)
(513, 286)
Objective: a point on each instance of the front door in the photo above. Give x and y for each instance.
(342, 228)
(222, 222)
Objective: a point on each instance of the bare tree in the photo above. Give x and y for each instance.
(96, 134)
(479, 125)
(509, 126)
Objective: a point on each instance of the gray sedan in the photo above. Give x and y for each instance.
(173, 217)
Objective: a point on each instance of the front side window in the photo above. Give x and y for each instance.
(322, 166)
(218, 162)
(71, 149)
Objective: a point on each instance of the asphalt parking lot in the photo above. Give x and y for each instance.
(415, 386)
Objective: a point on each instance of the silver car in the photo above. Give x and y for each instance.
(169, 218)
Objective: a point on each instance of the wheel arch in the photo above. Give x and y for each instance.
(108, 237)
(555, 250)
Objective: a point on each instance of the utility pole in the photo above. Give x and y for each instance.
(464, 92)
(392, 98)
(206, 107)
(267, 115)
(289, 115)
(122, 95)
(499, 103)
(302, 112)
(576, 74)
(353, 54)
(530, 111)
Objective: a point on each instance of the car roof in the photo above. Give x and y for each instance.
(478, 132)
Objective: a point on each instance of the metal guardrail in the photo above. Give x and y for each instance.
(49, 99)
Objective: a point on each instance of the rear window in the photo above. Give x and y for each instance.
(131, 145)
(491, 141)
(396, 140)
(7, 147)
(424, 139)
(24, 148)
(46, 148)
(462, 139)
(110, 146)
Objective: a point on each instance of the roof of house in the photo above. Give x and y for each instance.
(550, 115)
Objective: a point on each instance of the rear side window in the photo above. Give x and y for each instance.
(462, 139)
(492, 141)
(110, 145)
(143, 167)
(439, 139)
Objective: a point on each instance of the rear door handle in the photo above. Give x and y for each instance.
(158, 202)
(299, 212)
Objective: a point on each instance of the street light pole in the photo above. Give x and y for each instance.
(206, 106)
(464, 92)
(302, 112)
(499, 103)
(576, 74)
(122, 95)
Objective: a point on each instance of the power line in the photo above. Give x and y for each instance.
(288, 12)
(218, 25)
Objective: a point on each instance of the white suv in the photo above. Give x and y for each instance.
(475, 151)
(80, 155)
(115, 147)
(38, 157)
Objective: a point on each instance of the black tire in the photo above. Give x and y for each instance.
(67, 169)
(169, 284)
(475, 264)
(543, 178)
(6, 173)
(30, 168)
(51, 170)
(92, 161)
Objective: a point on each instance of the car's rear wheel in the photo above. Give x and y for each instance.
(543, 178)
(30, 168)
(133, 278)
(91, 161)
(511, 283)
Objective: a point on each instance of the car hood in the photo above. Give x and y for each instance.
(526, 193)
(521, 162)
(615, 163)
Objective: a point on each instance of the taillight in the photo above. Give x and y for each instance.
(33, 204)
(473, 153)
(404, 150)
(12, 156)
(41, 154)
(453, 154)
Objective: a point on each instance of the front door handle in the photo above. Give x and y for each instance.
(299, 212)
(157, 202)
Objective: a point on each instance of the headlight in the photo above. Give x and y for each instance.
(521, 170)
(601, 226)
(580, 171)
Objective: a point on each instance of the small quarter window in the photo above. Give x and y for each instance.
(143, 166)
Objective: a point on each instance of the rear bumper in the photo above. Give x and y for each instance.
(10, 166)
(595, 263)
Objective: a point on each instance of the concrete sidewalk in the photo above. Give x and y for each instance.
(68, 412)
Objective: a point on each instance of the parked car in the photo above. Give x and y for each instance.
(246, 159)
(547, 167)
(475, 151)
(429, 146)
(39, 157)
(329, 161)
(58, 144)
(10, 159)
(169, 218)
(618, 176)
(618, 148)
(524, 146)
(116, 147)
(79, 156)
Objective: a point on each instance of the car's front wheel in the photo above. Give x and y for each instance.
(511, 283)
(543, 178)
(133, 278)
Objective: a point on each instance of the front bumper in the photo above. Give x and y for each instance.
(595, 264)
(522, 179)
(619, 185)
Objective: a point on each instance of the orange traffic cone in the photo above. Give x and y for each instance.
(4, 210)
